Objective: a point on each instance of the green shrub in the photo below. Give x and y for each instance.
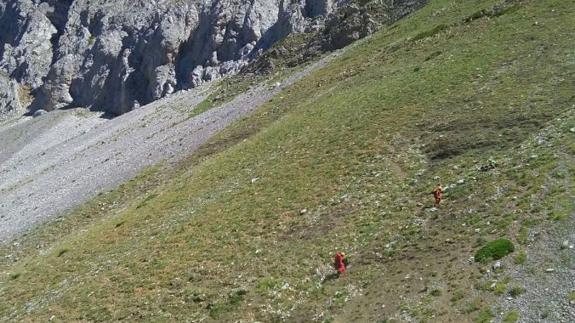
(496, 249)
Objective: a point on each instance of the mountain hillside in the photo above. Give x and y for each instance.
(475, 95)
(51, 162)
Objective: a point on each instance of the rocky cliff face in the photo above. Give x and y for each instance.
(117, 55)
(9, 101)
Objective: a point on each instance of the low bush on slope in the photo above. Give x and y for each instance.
(495, 250)
(343, 160)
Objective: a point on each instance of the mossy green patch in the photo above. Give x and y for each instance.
(494, 250)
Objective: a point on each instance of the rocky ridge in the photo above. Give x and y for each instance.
(117, 56)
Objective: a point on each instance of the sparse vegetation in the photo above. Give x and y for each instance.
(520, 258)
(516, 291)
(62, 252)
(430, 33)
(457, 295)
(485, 316)
(500, 287)
(436, 292)
(25, 95)
(511, 317)
(523, 235)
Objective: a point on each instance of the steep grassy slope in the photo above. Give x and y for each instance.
(475, 94)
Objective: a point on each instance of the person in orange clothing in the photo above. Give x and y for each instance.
(438, 194)
(339, 263)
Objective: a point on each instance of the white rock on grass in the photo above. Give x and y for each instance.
(497, 265)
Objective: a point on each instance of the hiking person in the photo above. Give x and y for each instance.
(340, 263)
(438, 194)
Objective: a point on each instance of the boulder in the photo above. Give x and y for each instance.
(38, 113)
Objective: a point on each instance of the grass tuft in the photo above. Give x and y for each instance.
(521, 258)
(511, 317)
(430, 33)
(516, 291)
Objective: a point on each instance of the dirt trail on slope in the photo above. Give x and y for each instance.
(62, 159)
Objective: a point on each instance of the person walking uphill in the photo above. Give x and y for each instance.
(339, 263)
(438, 194)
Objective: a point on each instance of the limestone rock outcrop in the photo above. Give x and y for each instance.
(117, 55)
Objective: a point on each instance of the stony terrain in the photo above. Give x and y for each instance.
(547, 276)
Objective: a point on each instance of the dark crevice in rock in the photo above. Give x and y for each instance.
(190, 50)
(58, 17)
(8, 29)
(316, 8)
